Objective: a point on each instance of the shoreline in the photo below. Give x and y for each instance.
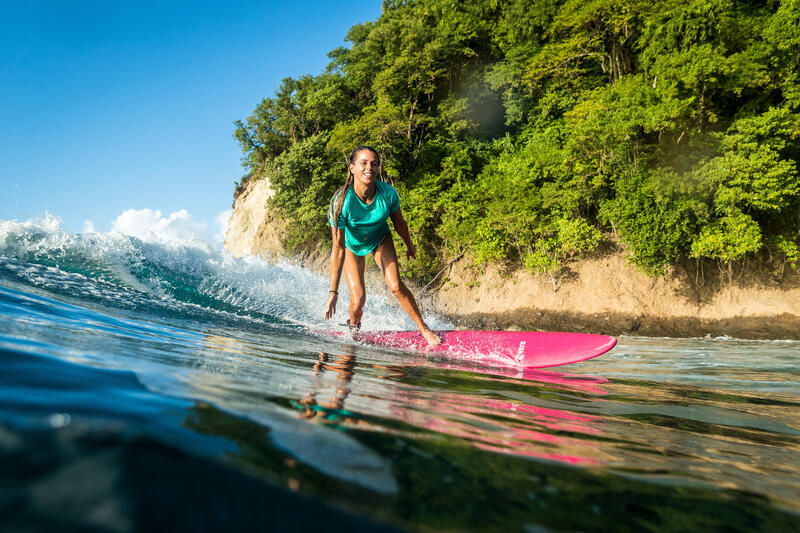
(782, 327)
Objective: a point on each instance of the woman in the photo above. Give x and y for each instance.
(357, 215)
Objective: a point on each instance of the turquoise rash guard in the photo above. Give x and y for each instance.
(365, 225)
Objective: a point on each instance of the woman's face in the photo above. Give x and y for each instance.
(365, 167)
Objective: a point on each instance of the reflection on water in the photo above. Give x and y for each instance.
(670, 433)
(332, 410)
(508, 427)
(659, 434)
(645, 454)
(494, 424)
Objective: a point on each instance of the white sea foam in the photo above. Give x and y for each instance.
(222, 221)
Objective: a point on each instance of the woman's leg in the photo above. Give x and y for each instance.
(354, 274)
(386, 258)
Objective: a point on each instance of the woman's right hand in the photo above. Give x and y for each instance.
(330, 306)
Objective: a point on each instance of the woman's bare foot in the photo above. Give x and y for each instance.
(432, 338)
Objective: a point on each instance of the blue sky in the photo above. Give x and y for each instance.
(115, 105)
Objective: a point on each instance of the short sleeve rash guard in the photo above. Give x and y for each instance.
(365, 224)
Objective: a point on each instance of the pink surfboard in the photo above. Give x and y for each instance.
(517, 349)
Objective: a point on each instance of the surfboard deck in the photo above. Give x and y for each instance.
(518, 349)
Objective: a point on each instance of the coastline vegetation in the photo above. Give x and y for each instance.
(528, 131)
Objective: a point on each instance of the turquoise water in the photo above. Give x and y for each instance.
(150, 385)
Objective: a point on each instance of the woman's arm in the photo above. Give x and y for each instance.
(401, 228)
(337, 260)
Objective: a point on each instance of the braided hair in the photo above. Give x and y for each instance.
(337, 201)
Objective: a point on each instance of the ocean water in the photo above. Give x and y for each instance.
(162, 385)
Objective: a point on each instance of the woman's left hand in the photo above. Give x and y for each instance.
(330, 305)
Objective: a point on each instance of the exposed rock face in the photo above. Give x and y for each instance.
(604, 294)
(252, 229)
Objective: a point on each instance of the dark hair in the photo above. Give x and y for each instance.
(338, 197)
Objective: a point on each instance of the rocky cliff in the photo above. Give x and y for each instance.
(252, 230)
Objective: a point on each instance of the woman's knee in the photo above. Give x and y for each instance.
(358, 299)
(396, 287)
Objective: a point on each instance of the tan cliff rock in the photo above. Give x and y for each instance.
(607, 294)
(252, 229)
(602, 294)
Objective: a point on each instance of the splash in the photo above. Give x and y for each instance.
(166, 265)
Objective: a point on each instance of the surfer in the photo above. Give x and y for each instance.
(357, 215)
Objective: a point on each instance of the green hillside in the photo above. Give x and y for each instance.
(527, 132)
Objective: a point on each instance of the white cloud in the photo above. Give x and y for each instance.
(88, 227)
(149, 224)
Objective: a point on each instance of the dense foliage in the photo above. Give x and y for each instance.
(524, 131)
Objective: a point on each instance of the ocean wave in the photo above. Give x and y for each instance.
(176, 275)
